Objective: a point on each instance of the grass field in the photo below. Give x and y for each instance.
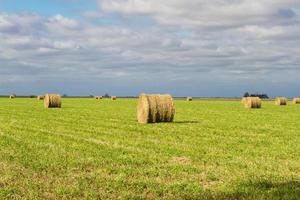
(93, 149)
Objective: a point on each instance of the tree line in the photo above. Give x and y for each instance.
(262, 96)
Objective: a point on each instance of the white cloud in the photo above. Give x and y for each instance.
(4, 23)
(226, 41)
(62, 22)
(201, 13)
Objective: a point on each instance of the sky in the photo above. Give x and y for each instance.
(126, 47)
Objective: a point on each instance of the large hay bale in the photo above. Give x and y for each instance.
(296, 100)
(113, 98)
(155, 108)
(98, 97)
(189, 98)
(40, 97)
(52, 101)
(281, 101)
(252, 102)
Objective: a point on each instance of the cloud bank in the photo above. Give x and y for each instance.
(202, 48)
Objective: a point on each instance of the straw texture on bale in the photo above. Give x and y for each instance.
(52, 101)
(40, 97)
(280, 101)
(244, 100)
(252, 102)
(98, 97)
(113, 98)
(155, 108)
(296, 100)
(189, 98)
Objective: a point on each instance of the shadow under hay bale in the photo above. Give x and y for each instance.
(189, 99)
(296, 100)
(281, 101)
(252, 102)
(52, 101)
(155, 108)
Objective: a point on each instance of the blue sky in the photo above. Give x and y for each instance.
(126, 47)
(49, 7)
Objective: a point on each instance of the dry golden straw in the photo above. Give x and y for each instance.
(244, 100)
(281, 101)
(189, 99)
(113, 98)
(40, 97)
(52, 101)
(252, 102)
(296, 100)
(154, 108)
(98, 97)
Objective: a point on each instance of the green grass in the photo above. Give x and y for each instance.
(96, 150)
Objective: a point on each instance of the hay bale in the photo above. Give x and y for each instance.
(296, 100)
(98, 97)
(12, 96)
(281, 101)
(155, 108)
(52, 101)
(40, 97)
(113, 98)
(189, 98)
(244, 100)
(252, 102)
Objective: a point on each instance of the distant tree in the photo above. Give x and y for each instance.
(64, 95)
(246, 94)
(106, 95)
(262, 96)
(91, 95)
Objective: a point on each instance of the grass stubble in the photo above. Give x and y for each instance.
(97, 150)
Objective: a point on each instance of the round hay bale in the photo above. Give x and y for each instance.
(113, 98)
(281, 101)
(155, 108)
(296, 100)
(98, 97)
(40, 97)
(52, 101)
(252, 102)
(12, 96)
(189, 99)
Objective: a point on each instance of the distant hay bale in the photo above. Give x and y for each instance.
(40, 97)
(98, 97)
(296, 100)
(52, 101)
(252, 102)
(113, 98)
(244, 100)
(189, 98)
(12, 96)
(281, 101)
(155, 108)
